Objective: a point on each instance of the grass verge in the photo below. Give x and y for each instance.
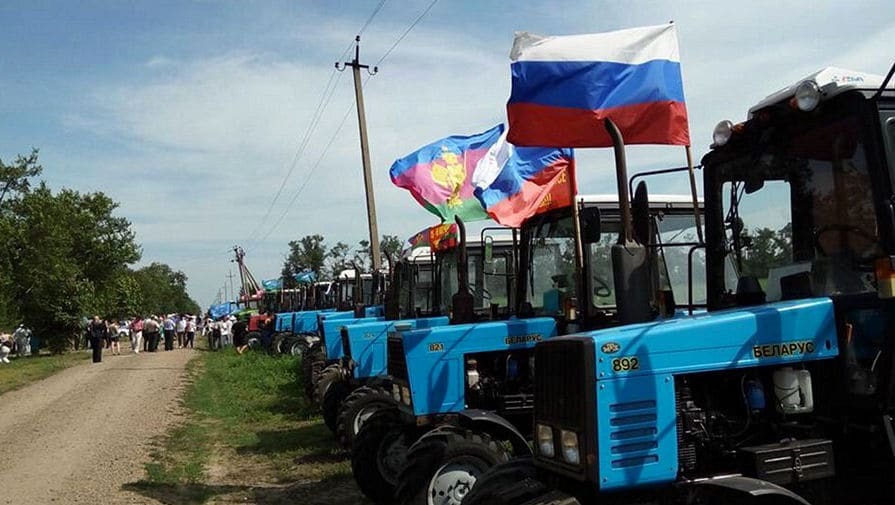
(248, 436)
(23, 371)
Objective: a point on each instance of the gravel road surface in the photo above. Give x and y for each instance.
(78, 436)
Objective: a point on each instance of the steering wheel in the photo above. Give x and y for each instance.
(602, 289)
(843, 228)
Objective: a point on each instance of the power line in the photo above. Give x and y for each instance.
(325, 98)
(406, 32)
(345, 118)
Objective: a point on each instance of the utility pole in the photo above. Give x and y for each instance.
(230, 276)
(365, 149)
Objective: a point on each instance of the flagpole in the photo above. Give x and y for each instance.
(579, 243)
(692, 173)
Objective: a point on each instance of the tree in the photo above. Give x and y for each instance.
(306, 253)
(15, 178)
(338, 258)
(389, 245)
(162, 290)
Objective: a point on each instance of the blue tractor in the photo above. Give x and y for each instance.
(781, 393)
(465, 393)
(364, 388)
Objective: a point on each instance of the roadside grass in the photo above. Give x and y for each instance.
(249, 434)
(23, 371)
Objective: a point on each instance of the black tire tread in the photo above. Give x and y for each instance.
(365, 450)
(353, 403)
(501, 484)
(434, 449)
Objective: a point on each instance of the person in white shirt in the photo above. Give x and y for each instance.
(5, 347)
(190, 335)
(226, 327)
(180, 330)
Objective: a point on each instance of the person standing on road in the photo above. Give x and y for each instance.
(136, 334)
(226, 330)
(180, 330)
(169, 333)
(215, 335)
(150, 333)
(114, 346)
(190, 331)
(97, 332)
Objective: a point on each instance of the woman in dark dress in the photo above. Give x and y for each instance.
(240, 336)
(97, 332)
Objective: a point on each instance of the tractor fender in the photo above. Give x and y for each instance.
(497, 426)
(755, 488)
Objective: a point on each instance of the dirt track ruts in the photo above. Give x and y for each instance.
(78, 436)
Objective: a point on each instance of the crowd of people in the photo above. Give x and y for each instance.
(146, 334)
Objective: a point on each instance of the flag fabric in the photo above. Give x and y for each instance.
(515, 183)
(272, 284)
(437, 238)
(439, 175)
(305, 277)
(564, 87)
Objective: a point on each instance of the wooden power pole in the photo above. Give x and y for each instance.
(365, 150)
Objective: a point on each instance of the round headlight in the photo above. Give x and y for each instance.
(569, 443)
(545, 441)
(722, 132)
(807, 95)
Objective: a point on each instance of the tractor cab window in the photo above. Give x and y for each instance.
(447, 273)
(599, 264)
(422, 288)
(496, 279)
(798, 213)
(551, 273)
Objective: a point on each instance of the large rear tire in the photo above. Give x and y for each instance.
(359, 406)
(379, 453)
(510, 483)
(444, 465)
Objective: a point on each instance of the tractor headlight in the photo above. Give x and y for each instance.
(405, 395)
(396, 392)
(722, 132)
(569, 443)
(807, 95)
(545, 441)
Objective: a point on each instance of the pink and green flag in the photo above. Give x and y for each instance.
(439, 175)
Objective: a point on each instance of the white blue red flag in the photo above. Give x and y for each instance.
(564, 87)
(515, 183)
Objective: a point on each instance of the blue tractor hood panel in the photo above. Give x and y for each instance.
(435, 357)
(331, 328)
(368, 342)
(771, 334)
(306, 320)
(284, 321)
(636, 365)
(374, 311)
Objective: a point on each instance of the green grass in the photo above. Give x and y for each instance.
(248, 431)
(23, 371)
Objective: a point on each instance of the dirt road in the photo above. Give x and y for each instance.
(81, 434)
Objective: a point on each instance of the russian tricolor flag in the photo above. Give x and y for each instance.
(564, 87)
(514, 183)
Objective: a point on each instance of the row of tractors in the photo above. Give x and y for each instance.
(617, 352)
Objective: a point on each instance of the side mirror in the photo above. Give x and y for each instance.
(590, 225)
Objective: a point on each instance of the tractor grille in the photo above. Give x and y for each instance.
(561, 382)
(346, 344)
(397, 361)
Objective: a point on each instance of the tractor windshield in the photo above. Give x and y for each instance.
(799, 211)
(422, 288)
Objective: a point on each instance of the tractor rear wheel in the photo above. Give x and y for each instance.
(334, 394)
(362, 403)
(379, 453)
(444, 465)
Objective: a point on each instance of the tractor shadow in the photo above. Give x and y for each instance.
(339, 490)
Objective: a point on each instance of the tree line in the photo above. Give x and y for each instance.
(65, 255)
(312, 254)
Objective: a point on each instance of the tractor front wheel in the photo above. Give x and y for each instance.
(510, 483)
(379, 453)
(444, 465)
(359, 406)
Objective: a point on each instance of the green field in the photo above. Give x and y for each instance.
(248, 436)
(23, 371)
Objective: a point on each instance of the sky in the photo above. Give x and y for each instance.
(192, 113)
